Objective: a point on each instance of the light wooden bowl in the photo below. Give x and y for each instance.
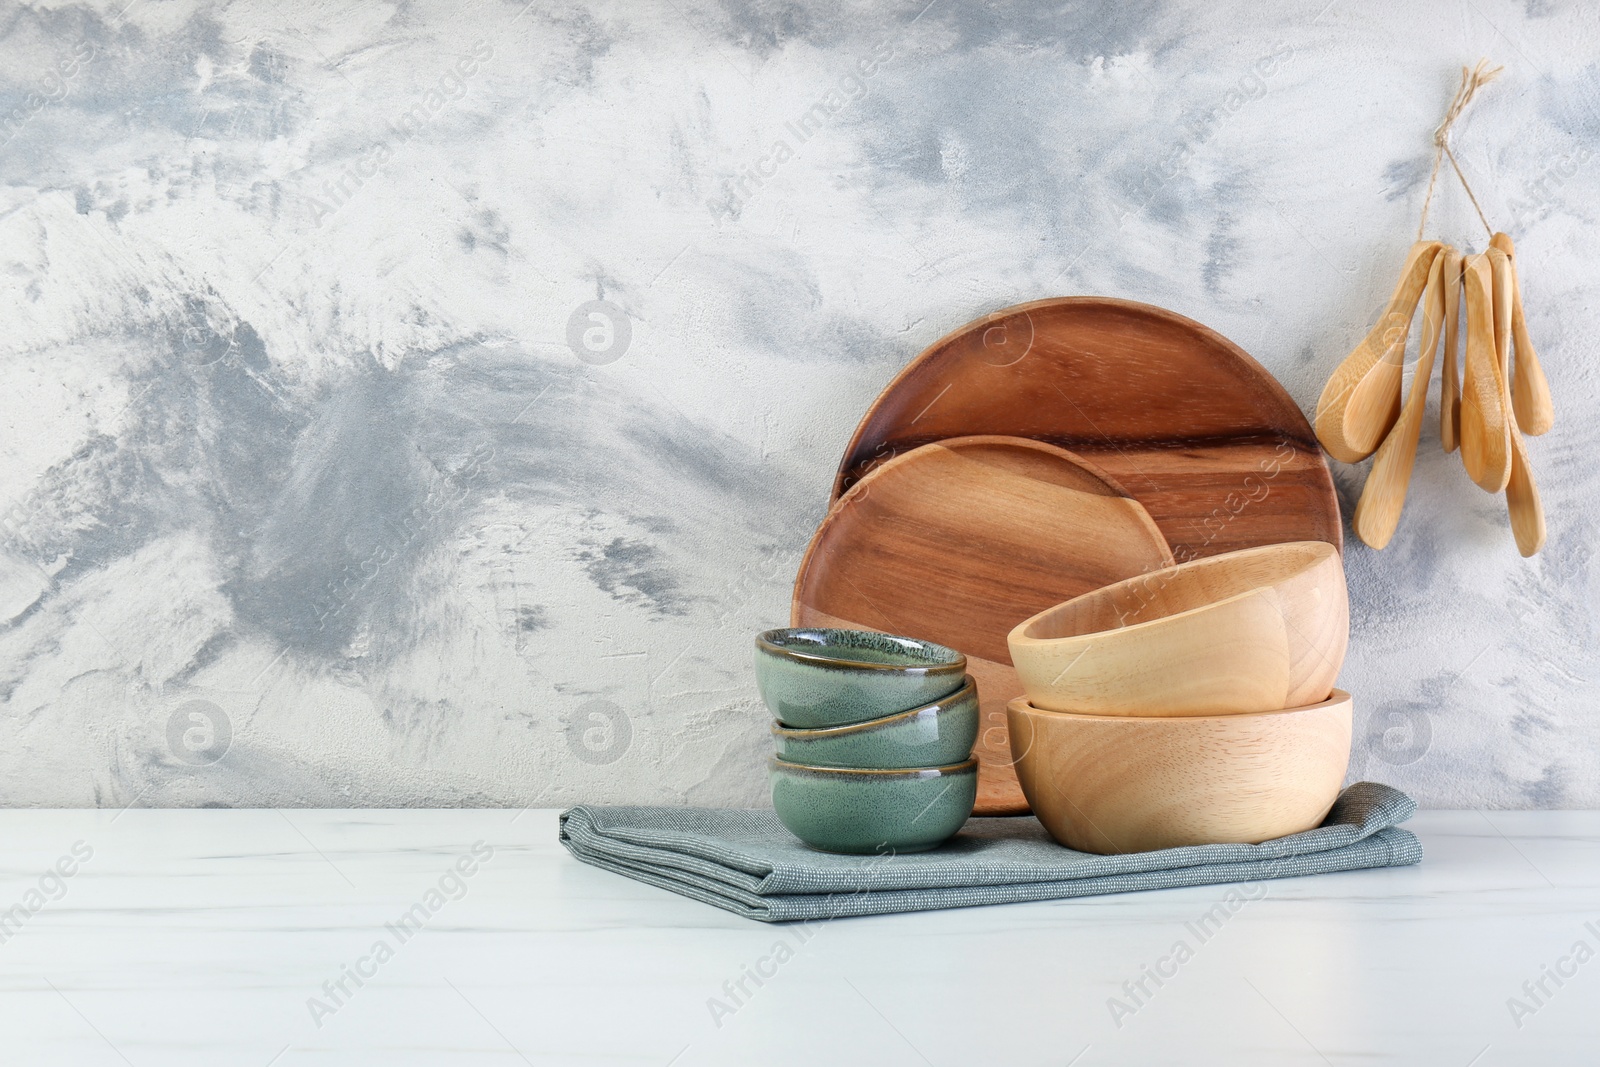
(1112, 784)
(1255, 630)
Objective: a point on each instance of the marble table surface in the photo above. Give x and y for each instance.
(259, 937)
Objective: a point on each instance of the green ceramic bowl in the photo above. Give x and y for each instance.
(813, 678)
(934, 735)
(873, 811)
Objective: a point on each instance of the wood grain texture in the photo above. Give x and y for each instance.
(1116, 785)
(1201, 434)
(1523, 502)
(958, 541)
(1361, 401)
(1530, 391)
(1485, 421)
(1256, 630)
(1450, 395)
(1384, 496)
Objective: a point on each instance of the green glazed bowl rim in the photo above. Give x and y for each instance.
(766, 641)
(970, 766)
(818, 733)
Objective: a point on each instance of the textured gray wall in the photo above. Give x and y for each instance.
(307, 499)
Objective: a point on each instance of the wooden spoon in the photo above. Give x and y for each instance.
(1501, 290)
(1383, 497)
(1522, 499)
(1361, 401)
(1530, 392)
(1485, 425)
(1522, 494)
(1450, 392)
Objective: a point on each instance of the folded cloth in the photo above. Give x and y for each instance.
(746, 862)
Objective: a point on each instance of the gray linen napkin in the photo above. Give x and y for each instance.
(746, 862)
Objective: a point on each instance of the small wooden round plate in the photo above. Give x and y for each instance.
(1201, 434)
(957, 542)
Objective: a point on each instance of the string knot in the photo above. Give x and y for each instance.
(1472, 79)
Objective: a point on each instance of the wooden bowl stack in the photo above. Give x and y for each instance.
(1189, 705)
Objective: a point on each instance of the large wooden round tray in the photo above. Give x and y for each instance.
(1201, 434)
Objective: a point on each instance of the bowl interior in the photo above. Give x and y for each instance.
(863, 774)
(1176, 590)
(860, 648)
(1170, 722)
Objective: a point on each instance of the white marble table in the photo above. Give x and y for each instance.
(201, 937)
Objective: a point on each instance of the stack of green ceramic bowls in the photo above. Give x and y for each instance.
(874, 738)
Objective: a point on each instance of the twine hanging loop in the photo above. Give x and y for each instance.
(1472, 79)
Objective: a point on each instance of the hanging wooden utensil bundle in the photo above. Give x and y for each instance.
(1485, 412)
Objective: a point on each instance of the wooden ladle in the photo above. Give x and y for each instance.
(1522, 494)
(1361, 401)
(1530, 391)
(1383, 497)
(1485, 418)
(1450, 391)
